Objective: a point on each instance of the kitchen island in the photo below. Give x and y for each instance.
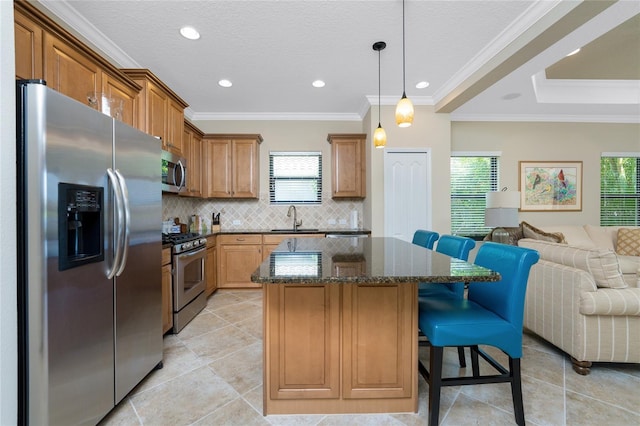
(340, 322)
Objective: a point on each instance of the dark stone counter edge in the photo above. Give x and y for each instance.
(369, 280)
(304, 232)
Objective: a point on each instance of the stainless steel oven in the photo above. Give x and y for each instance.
(174, 172)
(188, 265)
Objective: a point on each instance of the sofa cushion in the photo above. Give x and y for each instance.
(530, 231)
(602, 264)
(628, 242)
(574, 235)
(603, 236)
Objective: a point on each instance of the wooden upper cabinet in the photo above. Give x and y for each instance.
(233, 165)
(193, 152)
(348, 165)
(115, 88)
(28, 38)
(160, 110)
(44, 50)
(68, 71)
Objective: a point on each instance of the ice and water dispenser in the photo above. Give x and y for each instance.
(80, 225)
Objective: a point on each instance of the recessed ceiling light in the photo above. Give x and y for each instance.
(225, 83)
(510, 96)
(318, 83)
(574, 52)
(422, 84)
(190, 33)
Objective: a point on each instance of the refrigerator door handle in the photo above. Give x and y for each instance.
(118, 225)
(127, 222)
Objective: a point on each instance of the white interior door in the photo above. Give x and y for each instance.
(407, 192)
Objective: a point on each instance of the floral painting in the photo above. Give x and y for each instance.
(551, 186)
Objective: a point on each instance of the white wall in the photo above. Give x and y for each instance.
(550, 141)
(8, 313)
(429, 130)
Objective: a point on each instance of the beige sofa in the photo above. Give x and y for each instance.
(582, 296)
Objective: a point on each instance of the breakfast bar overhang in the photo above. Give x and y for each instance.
(340, 322)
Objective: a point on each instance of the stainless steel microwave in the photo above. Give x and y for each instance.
(174, 172)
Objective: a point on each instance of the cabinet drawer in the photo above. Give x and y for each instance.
(211, 241)
(240, 239)
(166, 256)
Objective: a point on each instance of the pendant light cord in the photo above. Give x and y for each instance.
(378, 87)
(403, 58)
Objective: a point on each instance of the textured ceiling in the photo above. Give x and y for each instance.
(272, 50)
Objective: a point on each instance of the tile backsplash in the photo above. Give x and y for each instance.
(261, 214)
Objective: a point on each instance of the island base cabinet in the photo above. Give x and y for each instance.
(340, 348)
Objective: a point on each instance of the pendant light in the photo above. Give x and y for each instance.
(379, 136)
(404, 109)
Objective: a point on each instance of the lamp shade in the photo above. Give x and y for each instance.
(499, 217)
(503, 199)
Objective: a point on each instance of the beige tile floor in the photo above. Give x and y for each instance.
(212, 375)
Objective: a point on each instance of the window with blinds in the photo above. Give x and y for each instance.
(295, 177)
(620, 189)
(471, 179)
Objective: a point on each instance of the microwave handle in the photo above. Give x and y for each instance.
(182, 176)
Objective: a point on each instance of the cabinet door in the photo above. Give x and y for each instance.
(167, 311)
(380, 347)
(68, 71)
(175, 127)
(348, 179)
(210, 270)
(114, 88)
(246, 175)
(156, 116)
(187, 152)
(195, 165)
(219, 168)
(28, 44)
(303, 335)
(237, 263)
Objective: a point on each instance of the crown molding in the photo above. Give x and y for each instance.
(71, 18)
(608, 92)
(555, 118)
(283, 116)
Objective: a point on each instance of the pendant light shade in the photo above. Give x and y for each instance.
(379, 136)
(404, 112)
(404, 109)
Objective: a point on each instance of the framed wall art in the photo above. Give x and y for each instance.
(550, 186)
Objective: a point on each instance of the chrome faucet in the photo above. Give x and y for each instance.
(296, 222)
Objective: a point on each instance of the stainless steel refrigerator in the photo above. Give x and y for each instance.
(89, 273)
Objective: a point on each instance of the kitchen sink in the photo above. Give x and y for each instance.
(299, 230)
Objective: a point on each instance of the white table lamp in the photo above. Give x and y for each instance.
(502, 212)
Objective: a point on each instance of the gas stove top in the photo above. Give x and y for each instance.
(184, 242)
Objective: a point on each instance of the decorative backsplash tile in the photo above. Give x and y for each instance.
(261, 214)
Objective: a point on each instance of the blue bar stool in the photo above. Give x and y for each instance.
(458, 247)
(425, 238)
(491, 315)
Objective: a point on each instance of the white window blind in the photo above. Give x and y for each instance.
(620, 190)
(295, 177)
(471, 178)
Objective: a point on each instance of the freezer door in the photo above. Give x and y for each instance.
(138, 292)
(67, 354)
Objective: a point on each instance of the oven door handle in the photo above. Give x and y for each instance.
(189, 254)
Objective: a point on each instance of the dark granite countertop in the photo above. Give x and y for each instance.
(291, 231)
(363, 260)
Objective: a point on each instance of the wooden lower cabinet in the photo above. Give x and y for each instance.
(238, 257)
(210, 267)
(340, 348)
(167, 295)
